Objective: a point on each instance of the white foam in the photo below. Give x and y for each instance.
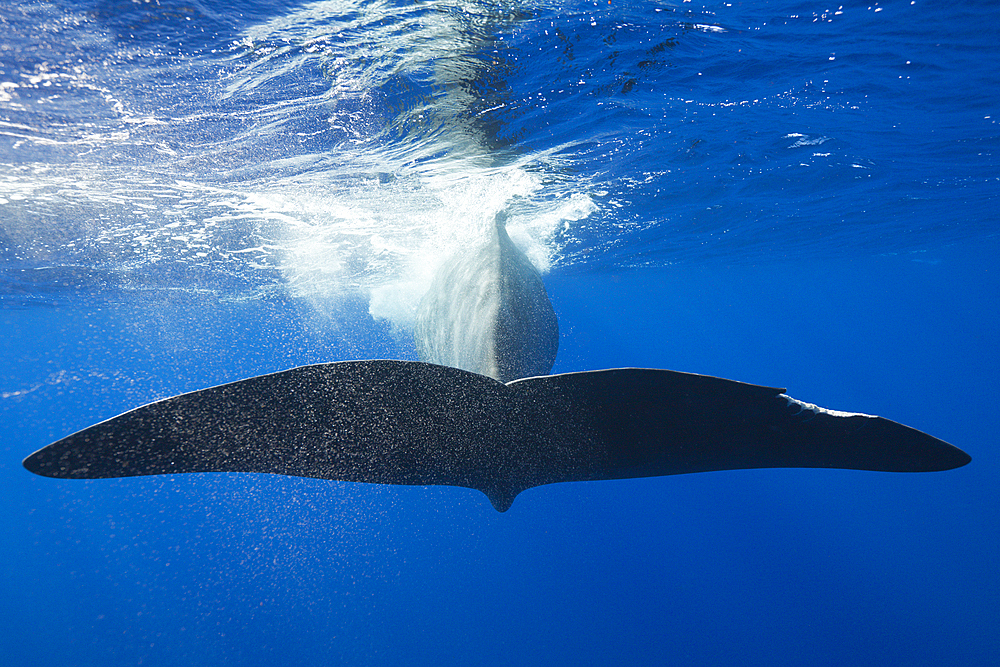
(375, 215)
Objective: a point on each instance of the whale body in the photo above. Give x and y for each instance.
(487, 312)
(486, 415)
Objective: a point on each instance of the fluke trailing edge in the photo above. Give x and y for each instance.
(399, 422)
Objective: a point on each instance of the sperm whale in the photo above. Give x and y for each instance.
(481, 411)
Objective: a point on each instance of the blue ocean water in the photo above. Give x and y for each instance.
(786, 193)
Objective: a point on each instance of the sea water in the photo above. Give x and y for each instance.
(786, 193)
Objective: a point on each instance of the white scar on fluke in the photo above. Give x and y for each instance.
(811, 407)
(480, 411)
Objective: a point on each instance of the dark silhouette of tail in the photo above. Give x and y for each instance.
(398, 422)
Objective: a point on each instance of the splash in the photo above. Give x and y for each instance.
(335, 151)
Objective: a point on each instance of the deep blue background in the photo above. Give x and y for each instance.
(716, 248)
(762, 567)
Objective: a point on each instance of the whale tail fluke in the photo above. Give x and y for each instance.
(397, 422)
